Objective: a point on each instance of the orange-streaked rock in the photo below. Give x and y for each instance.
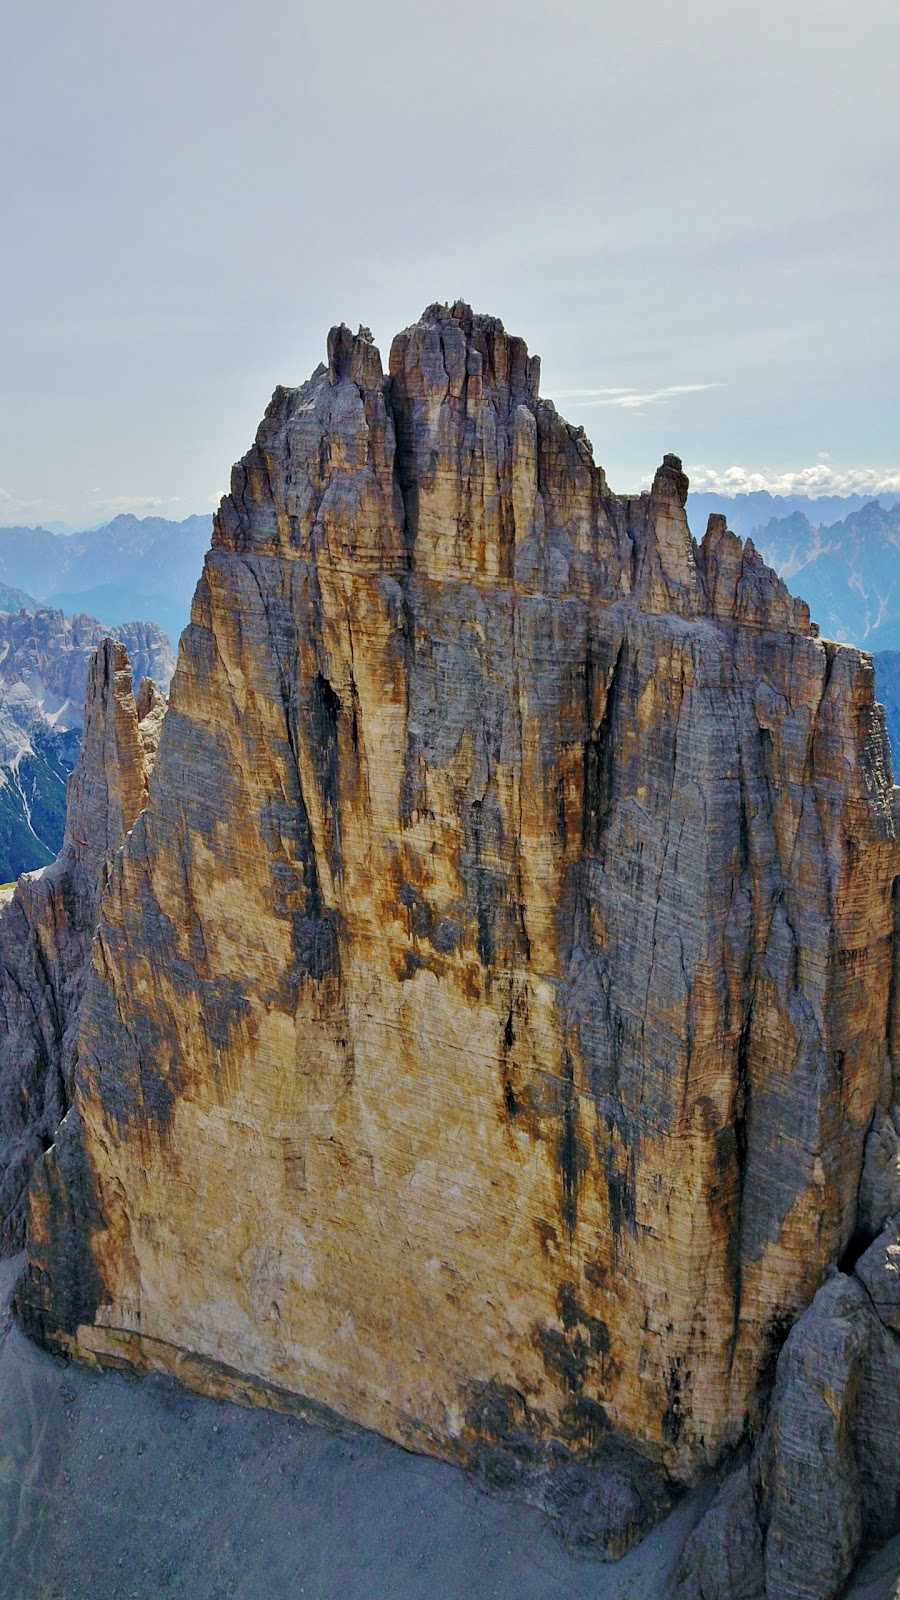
(490, 1004)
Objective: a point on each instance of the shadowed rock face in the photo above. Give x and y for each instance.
(824, 1479)
(47, 925)
(490, 1005)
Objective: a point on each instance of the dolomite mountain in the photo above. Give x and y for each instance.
(44, 655)
(490, 1024)
(44, 659)
(47, 924)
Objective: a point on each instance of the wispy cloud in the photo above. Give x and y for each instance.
(11, 506)
(820, 479)
(631, 399)
(129, 502)
(89, 512)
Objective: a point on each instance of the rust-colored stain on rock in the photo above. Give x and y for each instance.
(490, 1004)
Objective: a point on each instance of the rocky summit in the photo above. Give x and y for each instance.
(490, 1023)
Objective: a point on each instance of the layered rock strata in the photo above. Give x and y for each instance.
(47, 924)
(491, 1002)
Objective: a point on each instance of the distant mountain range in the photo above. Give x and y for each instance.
(148, 567)
(59, 593)
(748, 512)
(131, 567)
(43, 667)
(16, 599)
(841, 553)
(847, 570)
(887, 688)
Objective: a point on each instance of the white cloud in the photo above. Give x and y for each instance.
(128, 502)
(11, 506)
(820, 479)
(630, 399)
(90, 512)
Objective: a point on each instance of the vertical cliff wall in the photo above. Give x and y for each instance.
(490, 1005)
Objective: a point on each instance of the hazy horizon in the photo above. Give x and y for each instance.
(834, 508)
(703, 258)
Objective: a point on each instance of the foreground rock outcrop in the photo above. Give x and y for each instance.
(47, 924)
(44, 658)
(491, 1003)
(47, 655)
(824, 1479)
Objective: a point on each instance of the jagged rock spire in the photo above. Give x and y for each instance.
(506, 942)
(47, 928)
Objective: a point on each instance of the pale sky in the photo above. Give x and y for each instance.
(688, 208)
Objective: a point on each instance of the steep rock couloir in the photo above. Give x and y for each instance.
(490, 1005)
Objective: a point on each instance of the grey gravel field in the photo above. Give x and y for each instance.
(114, 1488)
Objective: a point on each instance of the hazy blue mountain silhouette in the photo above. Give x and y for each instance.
(131, 567)
(847, 569)
(747, 512)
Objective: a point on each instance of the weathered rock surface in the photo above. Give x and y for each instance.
(44, 659)
(879, 1190)
(46, 655)
(491, 1003)
(723, 1557)
(824, 1480)
(879, 1273)
(47, 926)
(808, 1438)
(110, 1484)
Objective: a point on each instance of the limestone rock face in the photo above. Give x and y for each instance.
(827, 1467)
(879, 1273)
(879, 1190)
(823, 1482)
(47, 925)
(809, 1431)
(491, 1002)
(46, 654)
(44, 659)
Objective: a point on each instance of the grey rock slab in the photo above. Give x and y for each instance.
(723, 1557)
(879, 1190)
(878, 1577)
(879, 1272)
(47, 926)
(805, 1470)
(876, 1435)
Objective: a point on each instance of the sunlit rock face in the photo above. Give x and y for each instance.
(490, 1004)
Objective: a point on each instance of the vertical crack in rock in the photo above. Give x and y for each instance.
(326, 708)
(569, 1152)
(599, 752)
